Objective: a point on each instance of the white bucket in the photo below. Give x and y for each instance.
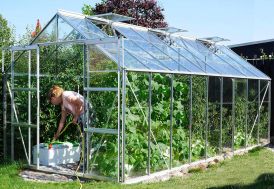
(58, 154)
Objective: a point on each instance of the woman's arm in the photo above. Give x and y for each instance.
(61, 124)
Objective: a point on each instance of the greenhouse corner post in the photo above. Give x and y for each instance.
(258, 121)
(12, 110)
(123, 123)
(246, 114)
(206, 114)
(29, 106)
(221, 114)
(269, 110)
(85, 64)
(4, 82)
(190, 119)
(88, 135)
(38, 104)
(233, 112)
(118, 107)
(123, 112)
(171, 120)
(149, 123)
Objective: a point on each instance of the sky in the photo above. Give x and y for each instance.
(240, 21)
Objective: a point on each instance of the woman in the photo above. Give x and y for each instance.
(71, 103)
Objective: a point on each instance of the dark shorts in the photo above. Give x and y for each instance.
(87, 118)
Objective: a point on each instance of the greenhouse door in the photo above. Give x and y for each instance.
(21, 82)
(102, 136)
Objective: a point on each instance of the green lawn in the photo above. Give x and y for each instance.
(253, 170)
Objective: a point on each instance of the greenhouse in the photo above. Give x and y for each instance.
(160, 100)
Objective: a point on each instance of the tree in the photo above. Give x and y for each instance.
(6, 39)
(6, 33)
(147, 13)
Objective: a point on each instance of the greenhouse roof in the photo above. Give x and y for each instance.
(146, 50)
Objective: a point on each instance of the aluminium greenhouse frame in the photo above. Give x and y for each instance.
(122, 71)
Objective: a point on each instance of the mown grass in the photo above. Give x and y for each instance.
(253, 170)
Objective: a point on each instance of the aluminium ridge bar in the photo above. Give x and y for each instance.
(70, 14)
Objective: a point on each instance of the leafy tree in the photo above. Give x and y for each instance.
(6, 39)
(6, 34)
(25, 38)
(147, 13)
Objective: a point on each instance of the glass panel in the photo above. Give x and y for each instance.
(241, 62)
(112, 50)
(198, 138)
(163, 58)
(149, 37)
(89, 30)
(21, 69)
(160, 123)
(103, 147)
(194, 55)
(252, 128)
(188, 61)
(143, 56)
(49, 34)
(240, 113)
(66, 32)
(180, 131)
(99, 61)
(220, 65)
(136, 151)
(169, 57)
(264, 117)
(235, 65)
(131, 62)
(103, 155)
(214, 116)
(227, 116)
(128, 33)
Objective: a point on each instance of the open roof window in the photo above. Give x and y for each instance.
(210, 42)
(104, 21)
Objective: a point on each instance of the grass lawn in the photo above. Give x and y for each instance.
(253, 170)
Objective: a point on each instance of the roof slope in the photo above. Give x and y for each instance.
(146, 50)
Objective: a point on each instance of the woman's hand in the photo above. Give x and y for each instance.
(56, 135)
(75, 118)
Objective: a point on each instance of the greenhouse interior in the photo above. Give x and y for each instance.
(160, 100)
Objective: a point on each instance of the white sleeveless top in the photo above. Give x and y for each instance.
(67, 105)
